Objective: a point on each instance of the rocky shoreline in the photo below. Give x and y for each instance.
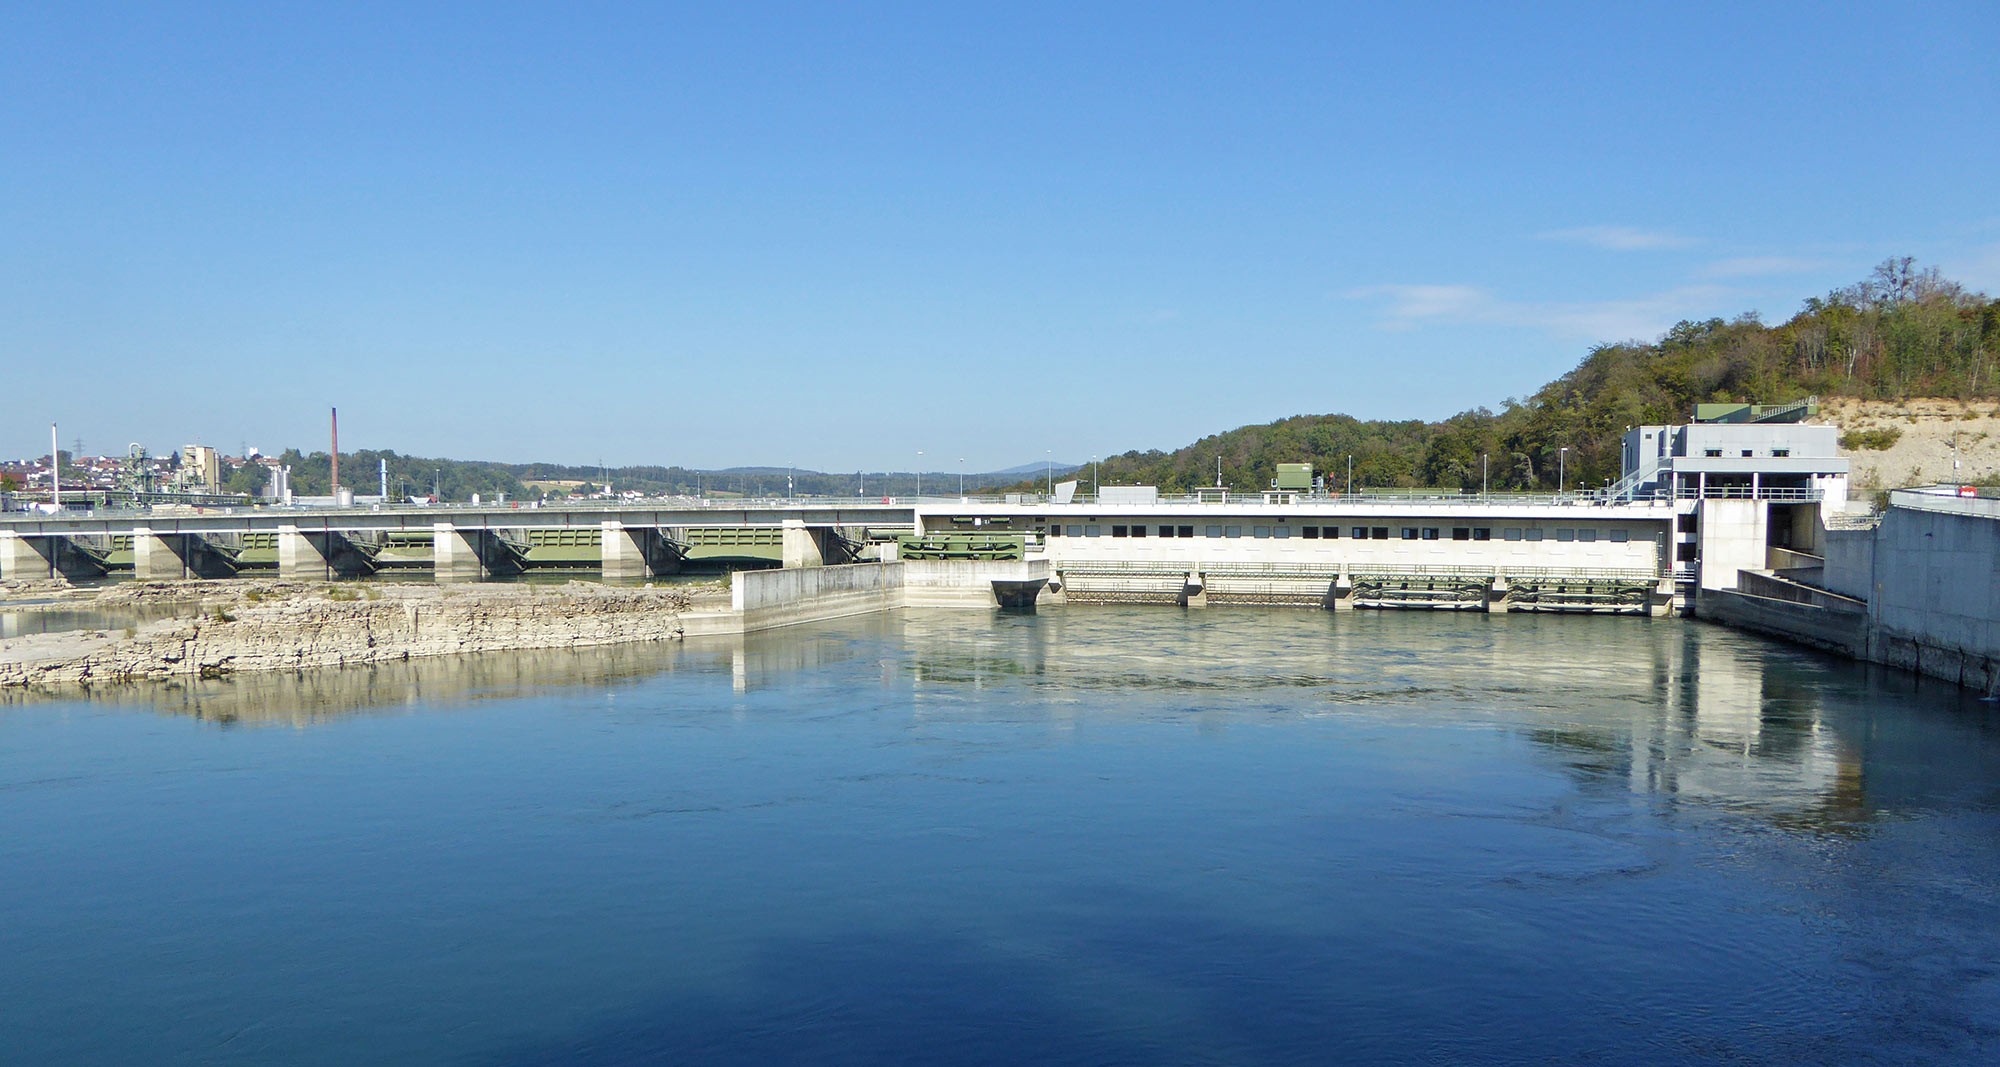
(226, 627)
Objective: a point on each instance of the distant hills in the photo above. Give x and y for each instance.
(1902, 332)
(457, 479)
(1041, 468)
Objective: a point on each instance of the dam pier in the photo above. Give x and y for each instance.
(1740, 516)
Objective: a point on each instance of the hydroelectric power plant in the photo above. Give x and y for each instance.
(1740, 515)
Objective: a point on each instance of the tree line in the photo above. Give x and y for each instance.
(1902, 332)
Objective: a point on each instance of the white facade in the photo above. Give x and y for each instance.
(1758, 459)
(1501, 535)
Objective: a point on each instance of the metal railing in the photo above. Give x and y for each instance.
(1178, 501)
(1390, 497)
(1611, 497)
(1744, 492)
(1945, 501)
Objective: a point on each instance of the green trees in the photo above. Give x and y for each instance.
(1903, 331)
(250, 478)
(455, 479)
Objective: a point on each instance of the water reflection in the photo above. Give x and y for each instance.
(52, 619)
(1092, 835)
(312, 697)
(1669, 708)
(1675, 709)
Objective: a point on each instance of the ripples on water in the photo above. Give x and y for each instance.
(1089, 836)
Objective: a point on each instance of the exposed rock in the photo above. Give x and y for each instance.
(263, 625)
(35, 587)
(1931, 433)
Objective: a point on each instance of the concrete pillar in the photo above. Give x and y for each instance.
(158, 559)
(1018, 594)
(624, 551)
(302, 555)
(26, 557)
(802, 547)
(1342, 596)
(1194, 592)
(455, 552)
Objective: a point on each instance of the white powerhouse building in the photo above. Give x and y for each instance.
(1698, 503)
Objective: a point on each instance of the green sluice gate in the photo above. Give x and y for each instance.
(972, 546)
(564, 547)
(763, 544)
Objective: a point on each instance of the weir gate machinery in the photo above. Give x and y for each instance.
(1436, 588)
(498, 551)
(956, 545)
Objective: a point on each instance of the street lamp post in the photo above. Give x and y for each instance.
(1562, 467)
(961, 479)
(1050, 455)
(920, 474)
(1094, 487)
(1482, 477)
(1350, 474)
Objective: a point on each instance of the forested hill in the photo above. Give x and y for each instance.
(1903, 332)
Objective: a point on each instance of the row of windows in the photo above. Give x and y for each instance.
(1358, 533)
(1716, 453)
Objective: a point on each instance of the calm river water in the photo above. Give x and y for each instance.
(1092, 836)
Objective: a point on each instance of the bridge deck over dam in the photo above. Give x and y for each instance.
(455, 540)
(1533, 552)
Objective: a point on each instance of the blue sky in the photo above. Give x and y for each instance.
(833, 235)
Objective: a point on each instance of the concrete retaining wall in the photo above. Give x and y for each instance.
(1850, 561)
(1845, 632)
(964, 582)
(1931, 583)
(766, 599)
(1935, 598)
